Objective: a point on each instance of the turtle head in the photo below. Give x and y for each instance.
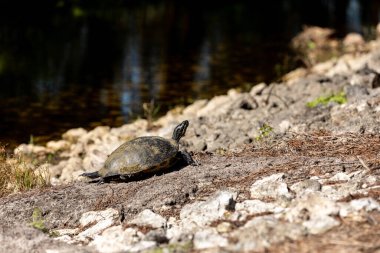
(180, 130)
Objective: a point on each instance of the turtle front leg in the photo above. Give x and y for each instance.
(188, 159)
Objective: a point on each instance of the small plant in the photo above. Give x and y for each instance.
(264, 131)
(311, 45)
(150, 112)
(38, 221)
(339, 98)
(220, 151)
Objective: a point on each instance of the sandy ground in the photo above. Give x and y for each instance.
(299, 156)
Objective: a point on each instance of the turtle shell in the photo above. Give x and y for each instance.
(140, 155)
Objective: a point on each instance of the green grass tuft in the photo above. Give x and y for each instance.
(339, 98)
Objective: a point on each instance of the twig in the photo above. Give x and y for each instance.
(362, 162)
(266, 101)
(346, 243)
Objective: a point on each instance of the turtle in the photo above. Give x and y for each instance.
(143, 155)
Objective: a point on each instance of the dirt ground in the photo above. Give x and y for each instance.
(300, 156)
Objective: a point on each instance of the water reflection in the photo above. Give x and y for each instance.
(353, 13)
(68, 65)
(202, 73)
(131, 77)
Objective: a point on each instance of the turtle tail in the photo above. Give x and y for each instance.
(91, 175)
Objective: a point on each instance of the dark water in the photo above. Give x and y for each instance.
(66, 64)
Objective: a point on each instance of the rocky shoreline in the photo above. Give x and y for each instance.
(275, 175)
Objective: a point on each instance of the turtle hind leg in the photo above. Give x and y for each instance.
(188, 159)
(100, 181)
(91, 175)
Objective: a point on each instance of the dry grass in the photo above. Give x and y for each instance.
(17, 175)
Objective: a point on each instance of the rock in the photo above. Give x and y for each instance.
(341, 66)
(370, 180)
(192, 109)
(142, 246)
(355, 92)
(356, 207)
(128, 131)
(245, 102)
(97, 222)
(258, 89)
(176, 232)
(353, 42)
(94, 159)
(320, 224)
(76, 149)
(305, 186)
(271, 186)
(115, 239)
(74, 134)
(261, 232)
(55, 171)
(313, 211)
(74, 164)
(340, 176)
(295, 75)
(149, 218)
(256, 206)
(96, 216)
(67, 231)
(284, 126)
(199, 145)
(96, 134)
(55, 146)
(341, 191)
(314, 204)
(208, 238)
(224, 227)
(157, 235)
(218, 104)
(374, 62)
(27, 149)
(65, 238)
(202, 213)
(233, 93)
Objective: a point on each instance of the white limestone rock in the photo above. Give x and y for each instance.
(202, 213)
(208, 238)
(251, 207)
(357, 208)
(74, 134)
(149, 218)
(313, 211)
(272, 186)
(308, 185)
(116, 239)
(55, 146)
(96, 221)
